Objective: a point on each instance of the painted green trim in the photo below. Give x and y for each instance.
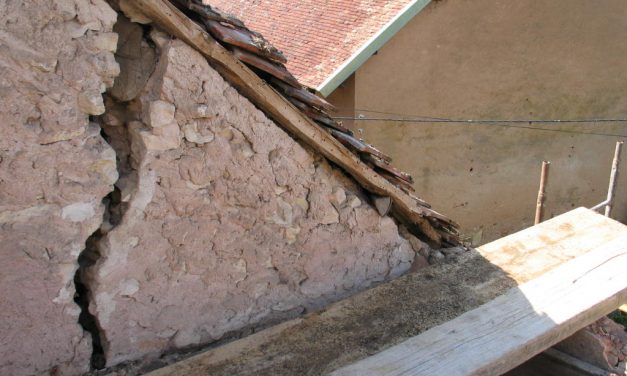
(373, 45)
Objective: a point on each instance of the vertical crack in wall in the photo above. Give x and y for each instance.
(137, 61)
(87, 258)
(88, 322)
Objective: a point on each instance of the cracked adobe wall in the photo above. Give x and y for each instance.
(55, 60)
(219, 221)
(227, 222)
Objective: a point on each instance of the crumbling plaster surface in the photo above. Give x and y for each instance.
(229, 223)
(56, 57)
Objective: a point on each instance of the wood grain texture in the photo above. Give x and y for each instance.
(532, 252)
(514, 327)
(381, 317)
(168, 17)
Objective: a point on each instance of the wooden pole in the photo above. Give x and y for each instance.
(540, 202)
(613, 179)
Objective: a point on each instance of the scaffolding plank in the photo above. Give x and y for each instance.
(511, 329)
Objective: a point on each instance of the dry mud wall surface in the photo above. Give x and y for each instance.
(227, 221)
(195, 216)
(56, 57)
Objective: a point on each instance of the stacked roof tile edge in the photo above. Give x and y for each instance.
(268, 62)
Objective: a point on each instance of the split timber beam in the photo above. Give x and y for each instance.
(404, 207)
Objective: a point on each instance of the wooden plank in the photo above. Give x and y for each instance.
(532, 252)
(381, 317)
(509, 330)
(169, 18)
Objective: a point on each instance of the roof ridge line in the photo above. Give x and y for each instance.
(359, 57)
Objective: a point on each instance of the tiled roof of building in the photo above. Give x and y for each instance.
(316, 36)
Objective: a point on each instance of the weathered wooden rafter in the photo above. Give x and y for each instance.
(419, 218)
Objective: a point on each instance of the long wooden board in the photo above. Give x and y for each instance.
(514, 327)
(168, 17)
(379, 318)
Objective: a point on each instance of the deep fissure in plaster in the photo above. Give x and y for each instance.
(88, 321)
(87, 258)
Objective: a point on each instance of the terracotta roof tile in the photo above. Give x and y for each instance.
(316, 36)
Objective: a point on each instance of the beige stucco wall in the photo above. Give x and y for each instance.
(344, 100)
(502, 59)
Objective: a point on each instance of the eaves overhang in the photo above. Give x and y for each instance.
(371, 46)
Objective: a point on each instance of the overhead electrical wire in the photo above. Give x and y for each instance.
(493, 122)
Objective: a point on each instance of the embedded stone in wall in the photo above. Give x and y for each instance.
(55, 169)
(136, 58)
(236, 226)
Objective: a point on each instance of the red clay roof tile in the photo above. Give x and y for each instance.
(316, 36)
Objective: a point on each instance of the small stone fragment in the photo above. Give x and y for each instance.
(202, 111)
(285, 214)
(291, 234)
(106, 169)
(280, 190)
(330, 216)
(338, 197)
(167, 138)
(302, 203)
(129, 287)
(161, 113)
(190, 130)
(91, 103)
(354, 202)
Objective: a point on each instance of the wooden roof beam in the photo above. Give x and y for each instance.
(424, 222)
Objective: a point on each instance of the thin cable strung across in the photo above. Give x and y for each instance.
(494, 122)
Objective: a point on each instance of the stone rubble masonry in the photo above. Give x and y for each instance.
(229, 223)
(219, 221)
(56, 58)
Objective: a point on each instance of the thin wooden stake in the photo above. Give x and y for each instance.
(540, 202)
(613, 179)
